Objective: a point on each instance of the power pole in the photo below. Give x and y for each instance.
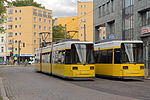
(84, 32)
(65, 31)
(19, 52)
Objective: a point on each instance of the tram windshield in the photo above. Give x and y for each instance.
(132, 53)
(82, 54)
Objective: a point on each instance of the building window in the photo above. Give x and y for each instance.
(15, 26)
(49, 21)
(49, 28)
(49, 35)
(20, 11)
(40, 20)
(20, 33)
(40, 27)
(19, 26)
(35, 19)
(15, 49)
(81, 20)
(45, 27)
(145, 18)
(84, 20)
(45, 14)
(40, 13)
(15, 11)
(80, 6)
(84, 6)
(16, 34)
(34, 26)
(2, 39)
(45, 21)
(16, 41)
(35, 12)
(9, 19)
(112, 5)
(34, 41)
(20, 18)
(10, 34)
(40, 35)
(100, 11)
(9, 11)
(128, 20)
(44, 34)
(15, 18)
(34, 49)
(2, 49)
(81, 27)
(81, 13)
(10, 41)
(34, 33)
(49, 15)
(84, 13)
(10, 26)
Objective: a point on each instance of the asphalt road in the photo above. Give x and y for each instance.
(23, 83)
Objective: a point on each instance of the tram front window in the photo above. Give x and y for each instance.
(82, 54)
(132, 53)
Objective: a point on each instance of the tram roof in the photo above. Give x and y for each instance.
(62, 45)
(115, 43)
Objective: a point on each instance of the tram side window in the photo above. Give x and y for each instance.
(105, 56)
(45, 58)
(117, 56)
(61, 57)
(96, 55)
(68, 57)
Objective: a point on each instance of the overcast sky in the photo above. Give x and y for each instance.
(60, 8)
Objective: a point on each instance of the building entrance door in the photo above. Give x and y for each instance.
(146, 41)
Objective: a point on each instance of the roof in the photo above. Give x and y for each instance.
(113, 44)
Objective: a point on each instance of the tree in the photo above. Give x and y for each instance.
(58, 33)
(2, 14)
(19, 3)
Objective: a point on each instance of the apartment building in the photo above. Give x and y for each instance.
(85, 20)
(24, 25)
(3, 48)
(71, 26)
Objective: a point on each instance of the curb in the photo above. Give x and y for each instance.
(2, 90)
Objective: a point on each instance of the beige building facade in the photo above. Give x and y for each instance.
(24, 24)
(71, 25)
(85, 20)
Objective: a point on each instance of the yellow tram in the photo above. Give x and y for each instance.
(67, 59)
(119, 59)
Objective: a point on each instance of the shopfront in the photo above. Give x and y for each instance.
(145, 36)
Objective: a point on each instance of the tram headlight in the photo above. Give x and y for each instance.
(92, 68)
(141, 67)
(75, 68)
(125, 67)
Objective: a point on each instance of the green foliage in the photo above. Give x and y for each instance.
(2, 14)
(58, 33)
(19, 3)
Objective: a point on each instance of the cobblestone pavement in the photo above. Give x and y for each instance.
(22, 83)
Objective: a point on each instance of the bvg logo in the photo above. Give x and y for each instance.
(145, 30)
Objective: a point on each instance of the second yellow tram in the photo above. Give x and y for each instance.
(119, 59)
